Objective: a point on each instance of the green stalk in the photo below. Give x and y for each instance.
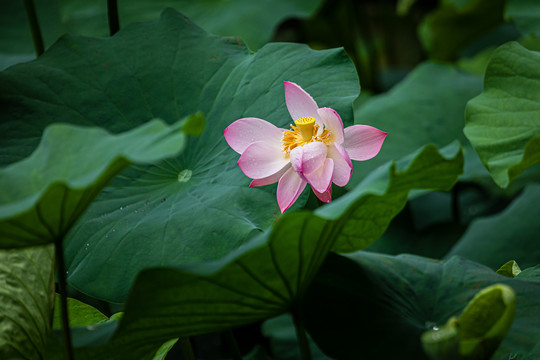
(232, 344)
(187, 350)
(112, 12)
(303, 343)
(37, 38)
(62, 289)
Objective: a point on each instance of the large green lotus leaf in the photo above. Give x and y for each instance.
(425, 108)
(526, 15)
(168, 68)
(530, 274)
(377, 306)
(49, 190)
(455, 24)
(503, 123)
(252, 21)
(534, 354)
(268, 275)
(510, 235)
(27, 300)
(258, 281)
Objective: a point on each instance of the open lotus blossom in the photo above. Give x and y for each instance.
(316, 151)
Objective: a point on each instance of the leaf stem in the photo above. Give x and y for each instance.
(37, 38)
(112, 12)
(232, 344)
(303, 343)
(187, 350)
(62, 290)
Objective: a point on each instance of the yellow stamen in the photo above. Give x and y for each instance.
(293, 138)
(305, 126)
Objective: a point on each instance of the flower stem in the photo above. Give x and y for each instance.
(62, 285)
(34, 27)
(112, 12)
(187, 350)
(303, 343)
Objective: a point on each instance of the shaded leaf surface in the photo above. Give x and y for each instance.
(16, 43)
(392, 300)
(49, 190)
(509, 235)
(253, 283)
(503, 123)
(266, 276)
(526, 15)
(281, 336)
(252, 22)
(168, 69)
(446, 31)
(362, 213)
(425, 108)
(530, 274)
(27, 300)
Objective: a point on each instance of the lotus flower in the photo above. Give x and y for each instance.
(316, 151)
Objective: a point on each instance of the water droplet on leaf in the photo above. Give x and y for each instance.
(184, 175)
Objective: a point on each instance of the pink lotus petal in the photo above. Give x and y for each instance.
(321, 179)
(308, 158)
(270, 179)
(344, 154)
(289, 188)
(300, 103)
(325, 196)
(342, 165)
(262, 159)
(362, 142)
(296, 156)
(332, 121)
(241, 133)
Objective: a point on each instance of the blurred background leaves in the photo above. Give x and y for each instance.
(419, 64)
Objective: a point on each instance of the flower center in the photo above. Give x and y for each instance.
(303, 133)
(305, 125)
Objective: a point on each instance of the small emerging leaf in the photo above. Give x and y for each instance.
(486, 320)
(510, 269)
(480, 329)
(442, 343)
